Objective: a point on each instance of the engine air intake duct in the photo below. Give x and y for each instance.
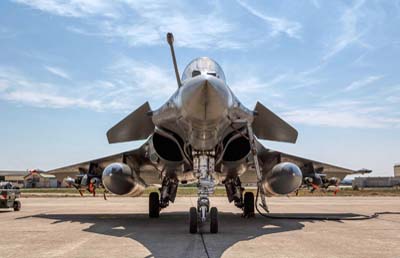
(167, 148)
(238, 147)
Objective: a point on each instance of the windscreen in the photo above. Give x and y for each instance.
(203, 65)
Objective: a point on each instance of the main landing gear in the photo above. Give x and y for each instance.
(154, 205)
(234, 191)
(168, 193)
(248, 205)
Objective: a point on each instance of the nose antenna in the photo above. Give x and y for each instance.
(170, 40)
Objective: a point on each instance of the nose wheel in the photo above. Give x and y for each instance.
(214, 220)
(195, 220)
(17, 205)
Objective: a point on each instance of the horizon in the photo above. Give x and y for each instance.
(70, 71)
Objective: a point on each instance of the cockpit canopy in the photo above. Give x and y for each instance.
(203, 65)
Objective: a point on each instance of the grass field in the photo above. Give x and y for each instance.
(220, 191)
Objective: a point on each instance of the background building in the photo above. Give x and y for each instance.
(13, 176)
(397, 170)
(40, 180)
(362, 182)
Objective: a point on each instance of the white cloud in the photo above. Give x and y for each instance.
(72, 8)
(278, 25)
(362, 83)
(3, 85)
(350, 34)
(393, 99)
(52, 100)
(146, 23)
(58, 72)
(345, 113)
(145, 77)
(316, 3)
(152, 28)
(27, 91)
(6, 32)
(323, 117)
(127, 83)
(252, 84)
(339, 118)
(277, 85)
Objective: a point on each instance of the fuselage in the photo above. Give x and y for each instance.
(203, 109)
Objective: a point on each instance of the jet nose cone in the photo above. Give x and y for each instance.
(205, 98)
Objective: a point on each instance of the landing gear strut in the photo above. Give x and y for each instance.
(234, 191)
(168, 191)
(203, 164)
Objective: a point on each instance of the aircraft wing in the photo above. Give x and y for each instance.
(269, 126)
(136, 159)
(269, 158)
(136, 126)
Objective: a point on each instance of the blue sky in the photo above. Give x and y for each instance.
(70, 70)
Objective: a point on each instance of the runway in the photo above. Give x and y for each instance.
(120, 227)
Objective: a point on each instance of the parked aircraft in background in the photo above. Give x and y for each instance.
(314, 178)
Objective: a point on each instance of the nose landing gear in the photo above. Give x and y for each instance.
(214, 220)
(203, 164)
(195, 221)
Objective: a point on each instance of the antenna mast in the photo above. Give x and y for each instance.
(170, 39)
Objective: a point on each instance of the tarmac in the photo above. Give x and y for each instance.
(120, 227)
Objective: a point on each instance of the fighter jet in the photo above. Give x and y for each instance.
(204, 135)
(314, 178)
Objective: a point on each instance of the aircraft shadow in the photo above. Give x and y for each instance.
(168, 235)
(6, 210)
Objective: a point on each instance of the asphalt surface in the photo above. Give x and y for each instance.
(120, 227)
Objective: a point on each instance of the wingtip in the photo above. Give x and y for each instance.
(109, 137)
(364, 171)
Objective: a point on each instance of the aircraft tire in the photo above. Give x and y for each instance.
(214, 220)
(193, 220)
(17, 205)
(154, 205)
(248, 208)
